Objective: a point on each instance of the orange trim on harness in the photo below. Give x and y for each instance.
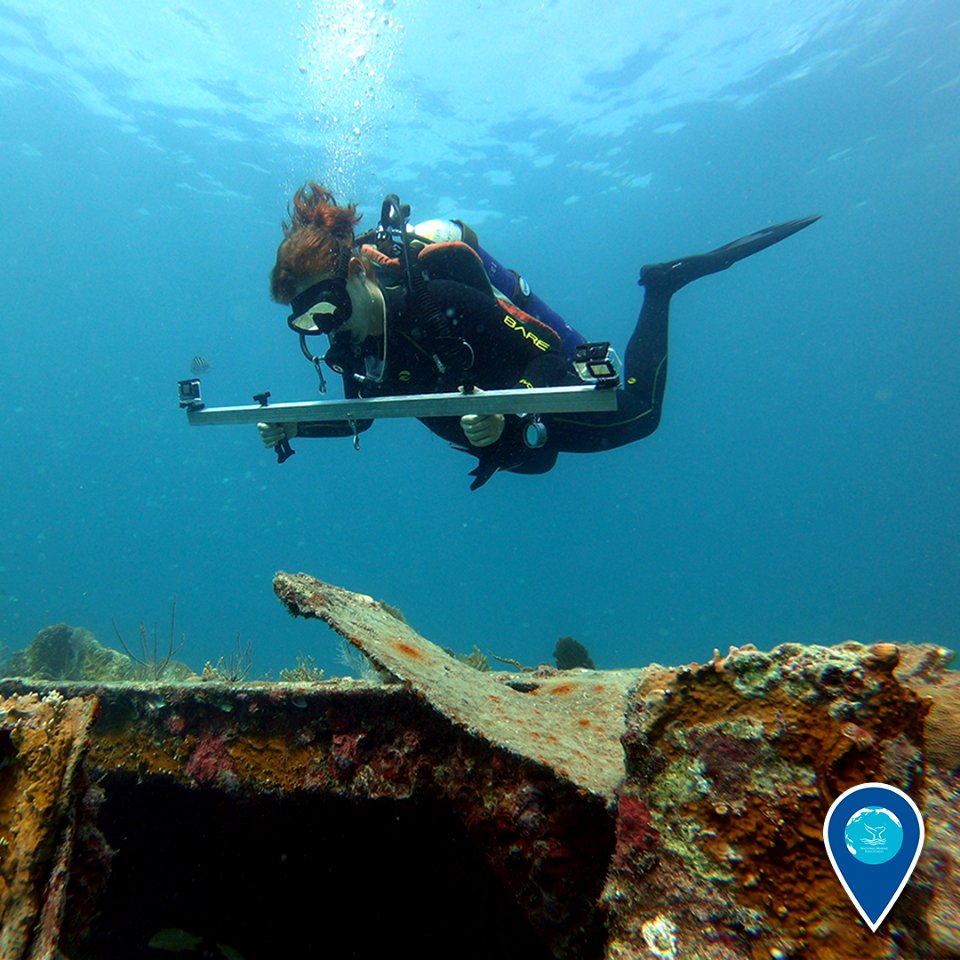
(458, 261)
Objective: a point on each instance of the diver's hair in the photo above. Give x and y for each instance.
(317, 239)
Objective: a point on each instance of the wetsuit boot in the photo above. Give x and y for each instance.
(669, 277)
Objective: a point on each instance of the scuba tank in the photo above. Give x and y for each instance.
(508, 283)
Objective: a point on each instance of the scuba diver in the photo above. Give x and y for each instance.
(420, 310)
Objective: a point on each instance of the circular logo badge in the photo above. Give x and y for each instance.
(873, 835)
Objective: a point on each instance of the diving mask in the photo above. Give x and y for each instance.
(321, 308)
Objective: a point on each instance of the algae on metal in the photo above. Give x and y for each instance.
(570, 722)
(43, 740)
(735, 763)
(657, 812)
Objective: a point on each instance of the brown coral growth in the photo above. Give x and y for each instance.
(42, 742)
(689, 829)
(739, 761)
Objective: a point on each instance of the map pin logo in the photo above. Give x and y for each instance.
(873, 834)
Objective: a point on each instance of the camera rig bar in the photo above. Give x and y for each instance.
(577, 399)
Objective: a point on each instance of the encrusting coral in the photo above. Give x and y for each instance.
(670, 812)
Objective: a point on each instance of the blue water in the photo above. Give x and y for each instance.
(803, 483)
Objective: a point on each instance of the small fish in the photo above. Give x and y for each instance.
(229, 952)
(200, 364)
(175, 940)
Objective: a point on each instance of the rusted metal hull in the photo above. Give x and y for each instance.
(667, 812)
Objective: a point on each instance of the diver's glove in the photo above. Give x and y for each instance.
(482, 429)
(273, 433)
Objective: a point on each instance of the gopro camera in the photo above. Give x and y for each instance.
(597, 363)
(189, 392)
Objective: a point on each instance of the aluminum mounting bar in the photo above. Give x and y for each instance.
(537, 400)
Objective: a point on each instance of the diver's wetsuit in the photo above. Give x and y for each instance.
(505, 351)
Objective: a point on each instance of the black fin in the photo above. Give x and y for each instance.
(483, 471)
(671, 276)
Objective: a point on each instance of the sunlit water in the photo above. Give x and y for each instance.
(802, 485)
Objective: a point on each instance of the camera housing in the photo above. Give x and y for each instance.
(189, 394)
(597, 363)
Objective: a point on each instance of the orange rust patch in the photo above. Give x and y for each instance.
(408, 650)
(584, 722)
(561, 689)
(45, 739)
